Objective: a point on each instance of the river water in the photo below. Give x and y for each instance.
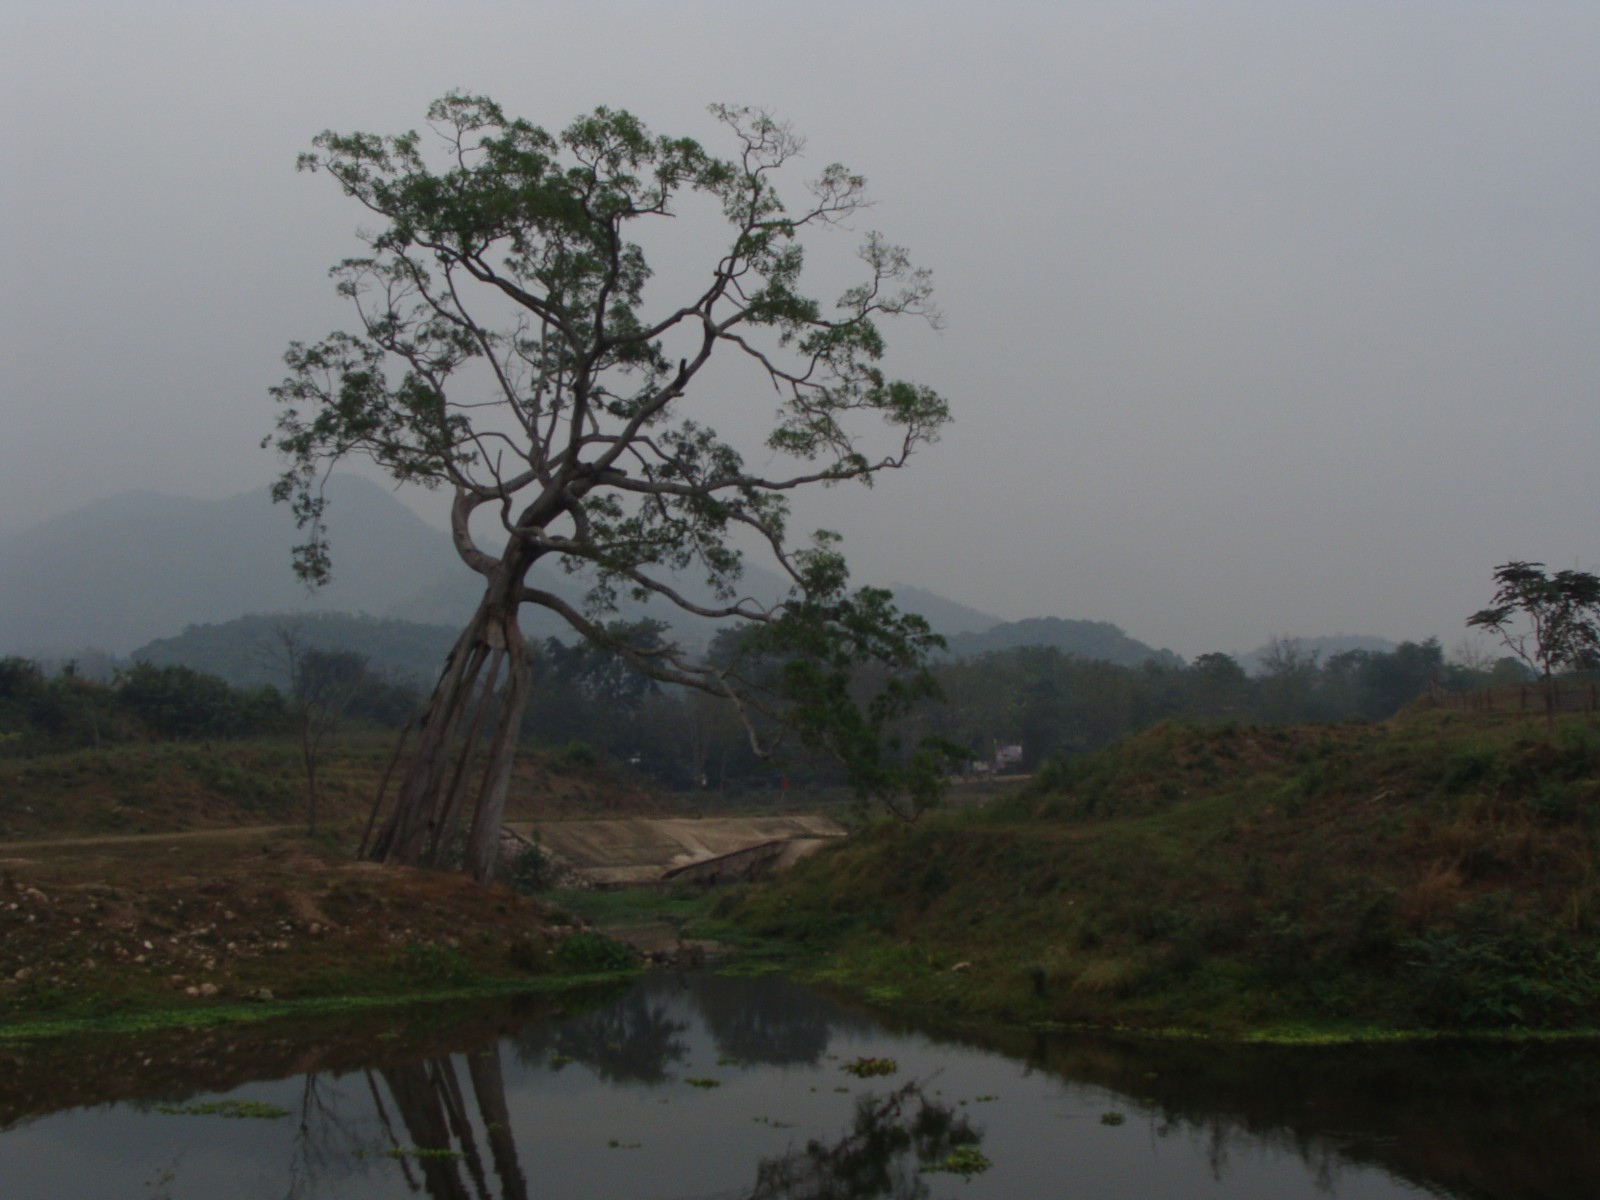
(690, 1086)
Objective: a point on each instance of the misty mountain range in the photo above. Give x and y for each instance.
(121, 572)
(128, 575)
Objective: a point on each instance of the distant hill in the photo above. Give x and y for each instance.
(174, 576)
(1098, 640)
(1323, 647)
(945, 616)
(249, 650)
(138, 570)
(141, 565)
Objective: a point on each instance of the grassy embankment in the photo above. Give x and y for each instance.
(166, 787)
(215, 928)
(143, 885)
(1435, 873)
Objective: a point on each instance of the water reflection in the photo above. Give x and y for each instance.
(892, 1143)
(173, 1065)
(695, 1086)
(1496, 1121)
(770, 1021)
(632, 1041)
(443, 1145)
(639, 1039)
(329, 1130)
(884, 1153)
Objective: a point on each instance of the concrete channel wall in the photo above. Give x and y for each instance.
(626, 851)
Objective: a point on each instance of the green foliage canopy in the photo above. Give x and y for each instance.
(515, 348)
(1561, 612)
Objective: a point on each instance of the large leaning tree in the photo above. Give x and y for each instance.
(512, 348)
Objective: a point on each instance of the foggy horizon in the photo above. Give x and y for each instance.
(1259, 319)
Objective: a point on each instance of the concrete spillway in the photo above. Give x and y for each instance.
(636, 850)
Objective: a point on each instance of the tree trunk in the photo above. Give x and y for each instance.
(488, 1086)
(422, 1099)
(1551, 695)
(483, 839)
(466, 744)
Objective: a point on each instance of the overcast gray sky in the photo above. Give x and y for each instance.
(1261, 318)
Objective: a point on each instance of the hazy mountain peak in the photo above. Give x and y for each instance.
(945, 616)
(122, 570)
(1088, 639)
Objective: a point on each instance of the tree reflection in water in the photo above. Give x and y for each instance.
(631, 1041)
(442, 1140)
(1509, 1121)
(638, 1039)
(892, 1138)
(423, 1106)
(891, 1141)
(324, 1136)
(769, 1020)
(881, 1156)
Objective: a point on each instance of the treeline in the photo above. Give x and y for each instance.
(1049, 702)
(1054, 705)
(42, 712)
(588, 704)
(250, 650)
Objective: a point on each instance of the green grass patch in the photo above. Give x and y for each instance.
(634, 906)
(866, 1068)
(209, 1016)
(963, 1160)
(593, 953)
(1348, 880)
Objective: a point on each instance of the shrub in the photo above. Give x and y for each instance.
(594, 953)
(531, 870)
(577, 754)
(429, 964)
(527, 955)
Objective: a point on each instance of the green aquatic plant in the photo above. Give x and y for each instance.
(1112, 1118)
(963, 1160)
(865, 1068)
(701, 1081)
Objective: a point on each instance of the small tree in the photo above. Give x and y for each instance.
(1287, 688)
(513, 349)
(322, 687)
(1547, 621)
